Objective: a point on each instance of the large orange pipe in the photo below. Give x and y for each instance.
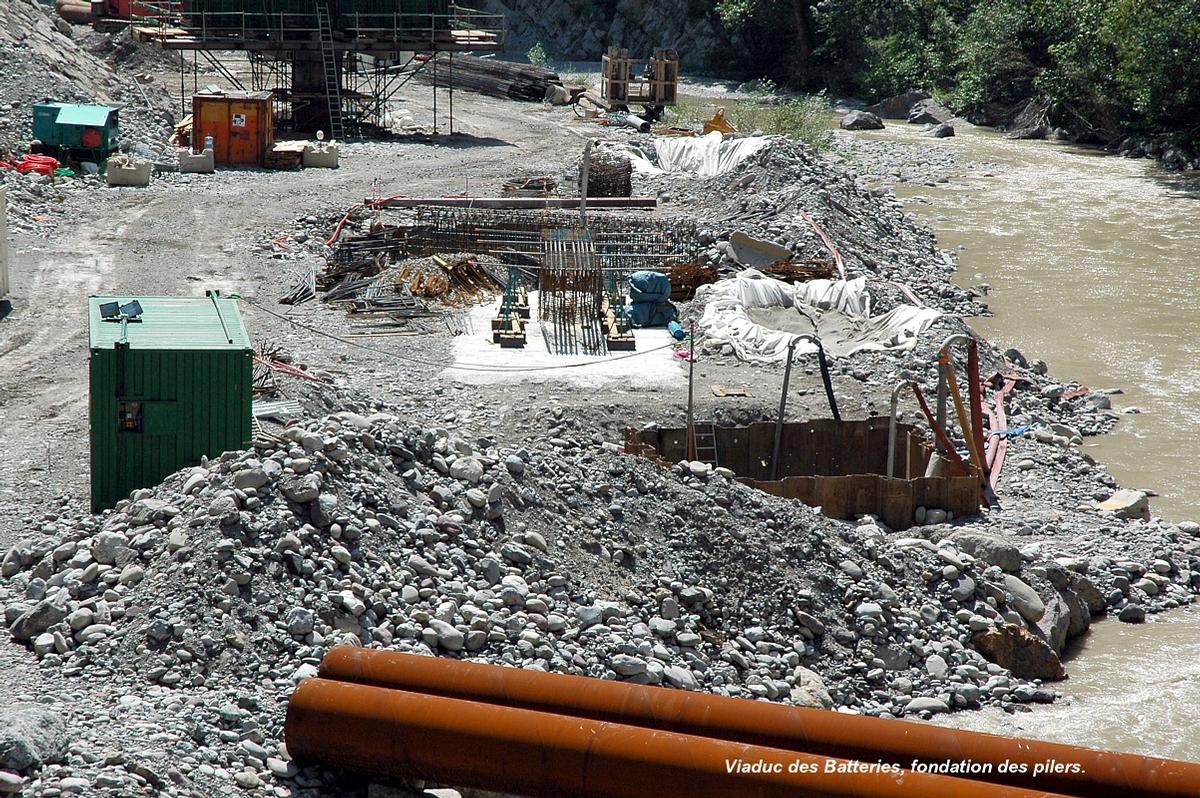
(1102, 774)
(492, 747)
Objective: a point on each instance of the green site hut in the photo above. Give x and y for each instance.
(170, 381)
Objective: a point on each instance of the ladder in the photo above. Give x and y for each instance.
(333, 93)
(704, 442)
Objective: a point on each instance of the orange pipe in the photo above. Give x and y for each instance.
(1103, 774)
(491, 747)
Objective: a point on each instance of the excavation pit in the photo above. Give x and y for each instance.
(839, 466)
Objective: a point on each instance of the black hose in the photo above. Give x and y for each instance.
(825, 378)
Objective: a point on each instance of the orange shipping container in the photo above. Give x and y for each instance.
(241, 125)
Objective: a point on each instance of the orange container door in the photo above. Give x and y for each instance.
(211, 118)
(245, 133)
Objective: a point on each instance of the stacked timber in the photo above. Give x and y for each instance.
(492, 77)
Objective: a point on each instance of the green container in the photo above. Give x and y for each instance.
(80, 129)
(167, 387)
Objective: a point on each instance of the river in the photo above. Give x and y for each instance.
(1092, 262)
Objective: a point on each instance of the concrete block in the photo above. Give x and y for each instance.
(321, 156)
(132, 172)
(197, 163)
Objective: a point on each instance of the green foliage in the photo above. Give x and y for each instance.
(805, 118)
(993, 62)
(537, 55)
(1103, 67)
(1157, 46)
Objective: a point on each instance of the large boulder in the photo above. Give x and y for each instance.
(1128, 504)
(929, 112)
(992, 549)
(1025, 655)
(897, 107)
(1024, 599)
(41, 617)
(861, 120)
(1030, 121)
(31, 737)
(942, 131)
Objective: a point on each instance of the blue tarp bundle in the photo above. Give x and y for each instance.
(650, 300)
(649, 286)
(650, 314)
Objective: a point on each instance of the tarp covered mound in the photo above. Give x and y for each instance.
(705, 156)
(758, 315)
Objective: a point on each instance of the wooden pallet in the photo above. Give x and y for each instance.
(286, 155)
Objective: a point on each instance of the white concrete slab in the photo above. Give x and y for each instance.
(478, 361)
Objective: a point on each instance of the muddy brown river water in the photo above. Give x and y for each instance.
(1093, 262)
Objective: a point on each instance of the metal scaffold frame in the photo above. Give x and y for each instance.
(335, 72)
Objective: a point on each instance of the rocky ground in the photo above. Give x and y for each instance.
(151, 649)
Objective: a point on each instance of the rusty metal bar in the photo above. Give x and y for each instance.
(499, 748)
(1102, 774)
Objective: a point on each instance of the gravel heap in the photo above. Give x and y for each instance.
(199, 604)
(763, 195)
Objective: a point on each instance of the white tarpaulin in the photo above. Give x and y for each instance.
(758, 315)
(706, 156)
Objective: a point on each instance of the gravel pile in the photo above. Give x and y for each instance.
(763, 196)
(199, 604)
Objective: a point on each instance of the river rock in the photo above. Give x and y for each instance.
(31, 737)
(942, 131)
(861, 120)
(1132, 613)
(809, 690)
(1127, 503)
(897, 107)
(992, 549)
(926, 704)
(1024, 599)
(1025, 655)
(929, 112)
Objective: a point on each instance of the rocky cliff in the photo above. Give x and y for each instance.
(583, 29)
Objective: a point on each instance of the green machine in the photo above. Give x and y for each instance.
(69, 131)
(170, 381)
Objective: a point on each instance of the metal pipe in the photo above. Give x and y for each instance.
(1101, 774)
(943, 393)
(637, 123)
(585, 169)
(891, 459)
(499, 748)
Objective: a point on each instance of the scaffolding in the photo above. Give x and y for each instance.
(327, 70)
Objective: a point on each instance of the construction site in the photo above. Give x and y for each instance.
(386, 416)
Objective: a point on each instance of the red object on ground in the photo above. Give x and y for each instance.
(42, 164)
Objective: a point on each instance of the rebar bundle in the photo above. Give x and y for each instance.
(609, 174)
(571, 294)
(623, 244)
